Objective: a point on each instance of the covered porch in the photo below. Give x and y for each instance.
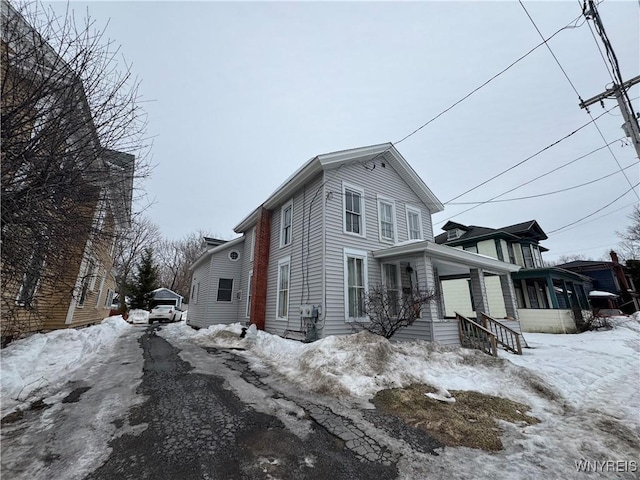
(551, 300)
(426, 264)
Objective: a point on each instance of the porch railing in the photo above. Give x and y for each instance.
(474, 335)
(505, 336)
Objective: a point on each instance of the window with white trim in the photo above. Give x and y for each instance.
(353, 210)
(355, 284)
(225, 289)
(94, 266)
(108, 299)
(249, 293)
(88, 280)
(282, 300)
(414, 223)
(286, 223)
(387, 219)
(196, 293)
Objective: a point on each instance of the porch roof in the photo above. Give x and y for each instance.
(448, 260)
(553, 273)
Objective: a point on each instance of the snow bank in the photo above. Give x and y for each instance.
(42, 360)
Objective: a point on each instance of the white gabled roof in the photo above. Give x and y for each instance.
(330, 160)
(163, 289)
(213, 250)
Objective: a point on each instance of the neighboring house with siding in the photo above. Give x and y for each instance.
(61, 273)
(343, 223)
(608, 277)
(164, 296)
(549, 299)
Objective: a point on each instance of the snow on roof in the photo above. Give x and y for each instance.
(597, 293)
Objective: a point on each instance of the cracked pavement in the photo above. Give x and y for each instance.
(201, 413)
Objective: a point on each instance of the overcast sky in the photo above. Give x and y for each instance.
(244, 93)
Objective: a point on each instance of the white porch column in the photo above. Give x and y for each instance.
(509, 296)
(479, 291)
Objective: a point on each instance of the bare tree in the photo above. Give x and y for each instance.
(390, 310)
(630, 237)
(73, 137)
(175, 257)
(130, 247)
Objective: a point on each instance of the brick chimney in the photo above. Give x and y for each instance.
(260, 268)
(614, 257)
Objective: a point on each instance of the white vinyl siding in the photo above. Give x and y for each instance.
(282, 301)
(305, 253)
(355, 284)
(286, 224)
(353, 210)
(414, 223)
(386, 182)
(387, 219)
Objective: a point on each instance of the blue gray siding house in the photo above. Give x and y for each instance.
(342, 223)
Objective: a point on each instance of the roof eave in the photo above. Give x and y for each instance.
(444, 252)
(213, 250)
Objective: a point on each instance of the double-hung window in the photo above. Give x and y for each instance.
(286, 221)
(282, 300)
(414, 223)
(355, 284)
(353, 210)
(225, 289)
(528, 256)
(387, 215)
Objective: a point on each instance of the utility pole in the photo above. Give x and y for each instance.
(620, 87)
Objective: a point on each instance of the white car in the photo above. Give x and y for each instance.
(165, 313)
(138, 317)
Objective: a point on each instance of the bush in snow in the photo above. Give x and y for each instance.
(390, 310)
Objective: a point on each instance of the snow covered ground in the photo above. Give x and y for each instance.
(584, 388)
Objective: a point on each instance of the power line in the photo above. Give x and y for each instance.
(549, 48)
(597, 218)
(570, 25)
(548, 193)
(544, 42)
(526, 159)
(597, 211)
(604, 60)
(614, 63)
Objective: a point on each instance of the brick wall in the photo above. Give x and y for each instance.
(260, 267)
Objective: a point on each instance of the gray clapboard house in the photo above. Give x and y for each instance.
(343, 222)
